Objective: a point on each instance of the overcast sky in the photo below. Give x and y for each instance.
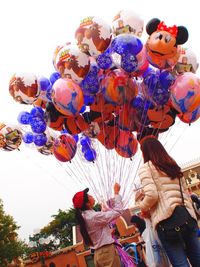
(33, 187)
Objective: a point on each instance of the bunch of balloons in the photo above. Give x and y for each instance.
(112, 87)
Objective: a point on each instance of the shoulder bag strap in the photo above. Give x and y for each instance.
(181, 192)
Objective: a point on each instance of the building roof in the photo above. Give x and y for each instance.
(190, 164)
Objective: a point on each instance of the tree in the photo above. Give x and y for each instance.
(10, 247)
(61, 226)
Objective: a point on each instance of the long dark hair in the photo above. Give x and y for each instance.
(83, 229)
(139, 222)
(154, 151)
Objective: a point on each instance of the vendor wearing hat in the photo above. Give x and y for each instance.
(94, 226)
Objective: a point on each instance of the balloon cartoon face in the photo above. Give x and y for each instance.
(162, 44)
(93, 36)
(72, 63)
(187, 62)
(24, 88)
(127, 21)
(12, 137)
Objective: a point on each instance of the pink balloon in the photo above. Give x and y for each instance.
(67, 97)
(185, 93)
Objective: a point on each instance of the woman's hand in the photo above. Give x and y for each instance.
(116, 188)
(145, 214)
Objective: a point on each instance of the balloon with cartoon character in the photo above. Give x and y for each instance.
(163, 44)
(72, 63)
(187, 62)
(93, 36)
(10, 137)
(185, 92)
(24, 88)
(127, 21)
(67, 97)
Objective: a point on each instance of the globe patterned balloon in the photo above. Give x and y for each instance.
(24, 88)
(67, 97)
(12, 137)
(64, 148)
(185, 92)
(190, 117)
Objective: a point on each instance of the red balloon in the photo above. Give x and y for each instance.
(126, 145)
(64, 148)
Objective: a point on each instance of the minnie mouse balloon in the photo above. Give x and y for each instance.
(162, 46)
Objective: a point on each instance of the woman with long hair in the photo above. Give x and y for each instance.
(94, 227)
(167, 202)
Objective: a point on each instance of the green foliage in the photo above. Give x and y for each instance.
(61, 227)
(10, 246)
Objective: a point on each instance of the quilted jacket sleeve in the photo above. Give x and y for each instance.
(149, 188)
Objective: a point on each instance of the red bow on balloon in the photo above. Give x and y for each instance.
(172, 30)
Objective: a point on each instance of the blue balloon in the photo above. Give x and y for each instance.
(152, 82)
(28, 137)
(82, 109)
(126, 43)
(141, 103)
(24, 117)
(166, 79)
(138, 102)
(94, 68)
(129, 62)
(161, 96)
(37, 112)
(90, 84)
(44, 83)
(85, 148)
(104, 61)
(40, 139)
(64, 131)
(38, 125)
(76, 137)
(54, 77)
(84, 140)
(90, 155)
(89, 100)
(49, 93)
(148, 72)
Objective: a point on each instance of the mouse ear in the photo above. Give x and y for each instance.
(182, 35)
(152, 26)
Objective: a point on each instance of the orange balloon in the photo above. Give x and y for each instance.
(75, 125)
(64, 148)
(108, 135)
(126, 145)
(161, 118)
(127, 120)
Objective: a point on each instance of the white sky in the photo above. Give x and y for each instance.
(33, 187)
